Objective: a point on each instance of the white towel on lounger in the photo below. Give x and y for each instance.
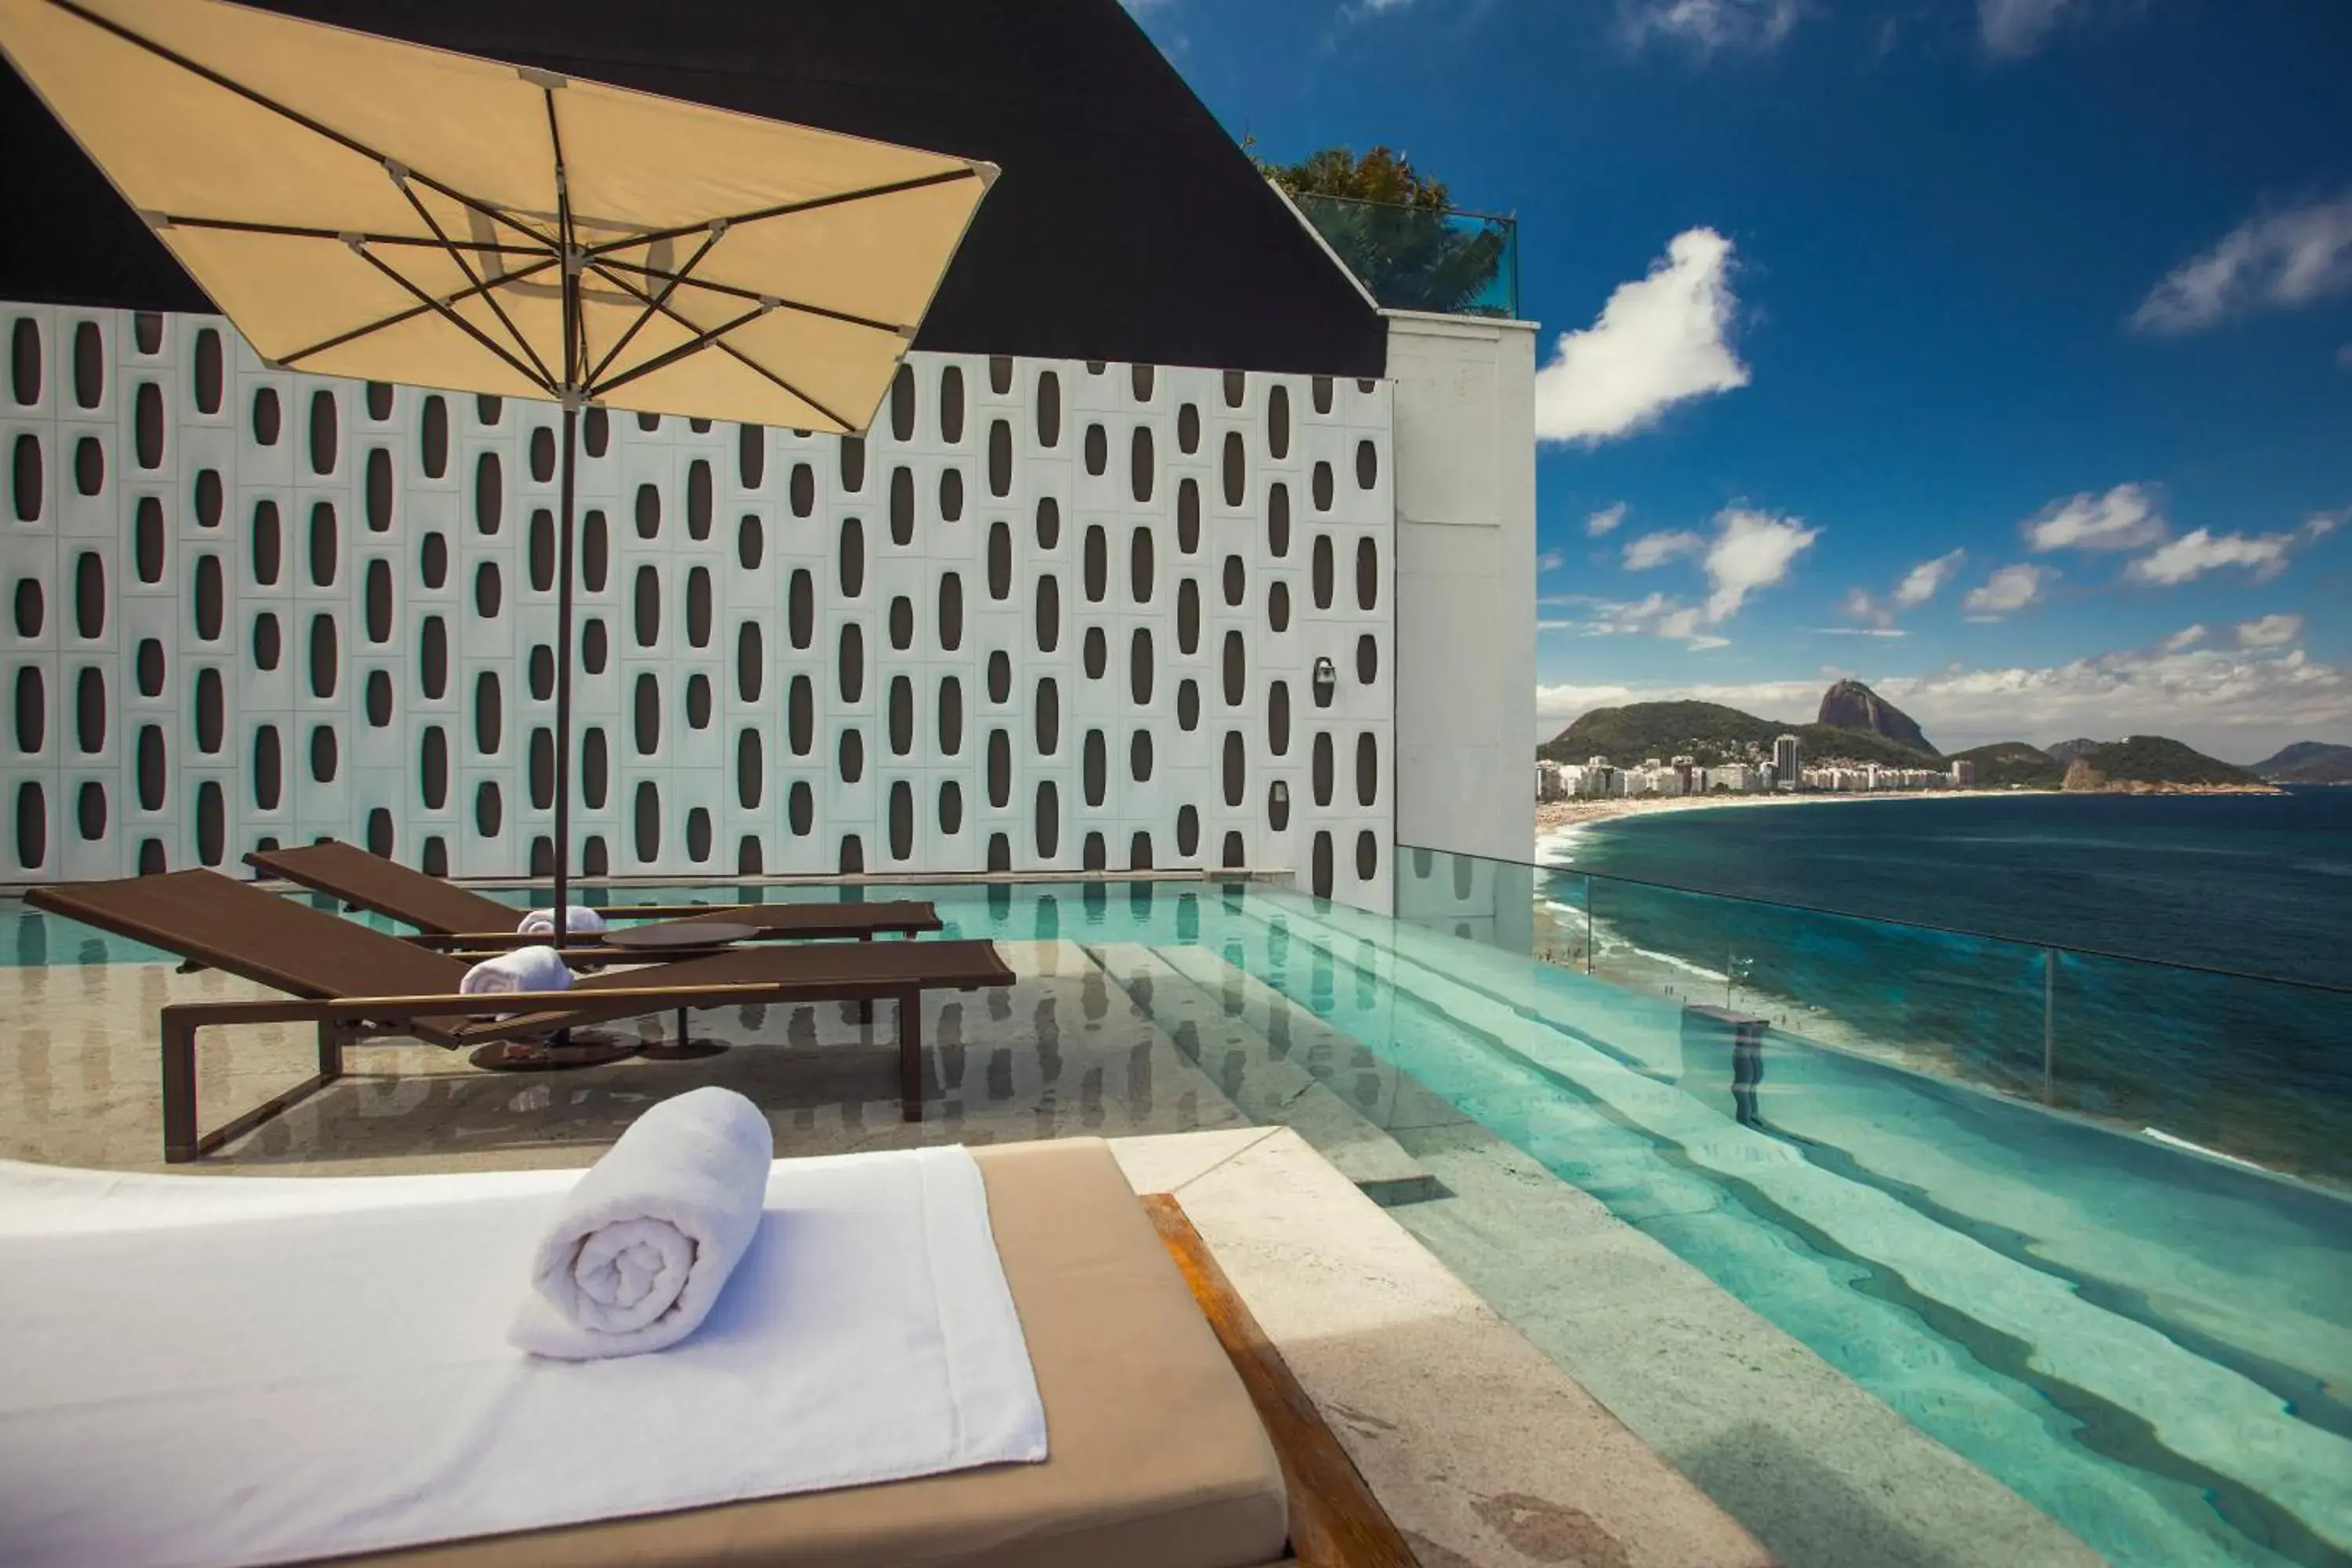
(541, 922)
(524, 969)
(639, 1250)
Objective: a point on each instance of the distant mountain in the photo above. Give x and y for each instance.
(2066, 751)
(2153, 764)
(1851, 705)
(1713, 733)
(2013, 764)
(2307, 762)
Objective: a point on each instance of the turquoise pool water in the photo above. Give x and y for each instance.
(2153, 1346)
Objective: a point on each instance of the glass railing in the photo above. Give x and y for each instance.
(2250, 1067)
(1423, 258)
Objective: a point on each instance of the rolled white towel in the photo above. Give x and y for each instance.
(541, 922)
(636, 1254)
(523, 969)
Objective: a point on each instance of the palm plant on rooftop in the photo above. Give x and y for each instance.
(1392, 226)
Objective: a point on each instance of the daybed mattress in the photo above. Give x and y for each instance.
(1157, 1457)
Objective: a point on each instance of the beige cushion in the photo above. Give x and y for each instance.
(1158, 1459)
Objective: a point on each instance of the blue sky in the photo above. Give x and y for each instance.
(1998, 352)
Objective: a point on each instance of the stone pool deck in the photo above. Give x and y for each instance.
(1279, 1134)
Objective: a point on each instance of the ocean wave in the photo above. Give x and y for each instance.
(1558, 847)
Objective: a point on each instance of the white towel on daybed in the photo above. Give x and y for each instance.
(196, 1372)
(641, 1248)
(541, 922)
(523, 969)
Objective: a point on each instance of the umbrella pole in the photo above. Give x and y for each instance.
(563, 682)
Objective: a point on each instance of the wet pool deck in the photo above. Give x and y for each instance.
(1470, 1428)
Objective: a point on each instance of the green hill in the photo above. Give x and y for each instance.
(2152, 760)
(2013, 764)
(1713, 733)
(2307, 762)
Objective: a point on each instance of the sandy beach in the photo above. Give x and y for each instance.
(1557, 818)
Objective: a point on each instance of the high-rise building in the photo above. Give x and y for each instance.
(1785, 769)
(1964, 773)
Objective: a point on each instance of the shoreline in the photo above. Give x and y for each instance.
(1563, 819)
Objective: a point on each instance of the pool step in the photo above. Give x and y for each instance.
(2225, 1424)
(1279, 1063)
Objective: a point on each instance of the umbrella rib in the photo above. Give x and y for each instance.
(227, 84)
(456, 319)
(782, 210)
(340, 339)
(782, 303)
(730, 350)
(668, 288)
(297, 231)
(693, 346)
(486, 290)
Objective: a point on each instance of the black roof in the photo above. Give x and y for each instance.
(1126, 225)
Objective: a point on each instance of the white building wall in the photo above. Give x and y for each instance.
(1083, 564)
(1464, 423)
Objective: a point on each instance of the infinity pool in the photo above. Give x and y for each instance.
(2152, 1346)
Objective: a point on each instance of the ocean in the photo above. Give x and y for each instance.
(2252, 885)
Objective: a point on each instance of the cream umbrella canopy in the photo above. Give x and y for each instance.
(365, 207)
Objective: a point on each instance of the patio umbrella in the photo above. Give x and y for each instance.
(365, 207)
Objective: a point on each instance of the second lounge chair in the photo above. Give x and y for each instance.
(437, 906)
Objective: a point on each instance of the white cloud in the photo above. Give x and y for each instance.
(1604, 521)
(1657, 616)
(1749, 550)
(2277, 260)
(1924, 580)
(2125, 517)
(1706, 26)
(2320, 524)
(1859, 631)
(1914, 588)
(2013, 29)
(2237, 703)
(2007, 590)
(1551, 560)
(2271, 631)
(1657, 549)
(1752, 550)
(2186, 636)
(2201, 551)
(1659, 341)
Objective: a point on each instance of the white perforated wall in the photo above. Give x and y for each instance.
(1047, 615)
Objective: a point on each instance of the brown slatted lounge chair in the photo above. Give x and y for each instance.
(358, 984)
(438, 908)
